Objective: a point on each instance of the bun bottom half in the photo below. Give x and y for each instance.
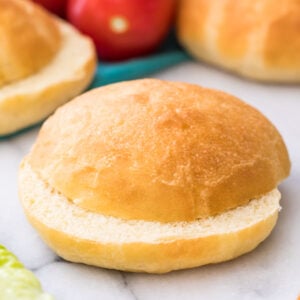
(81, 236)
(28, 101)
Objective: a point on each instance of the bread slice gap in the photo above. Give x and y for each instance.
(56, 211)
(143, 246)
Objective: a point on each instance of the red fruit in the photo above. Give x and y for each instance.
(56, 6)
(122, 29)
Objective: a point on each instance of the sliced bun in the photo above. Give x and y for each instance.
(257, 39)
(29, 99)
(29, 39)
(140, 246)
(154, 176)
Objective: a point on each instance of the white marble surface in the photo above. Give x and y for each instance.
(271, 272)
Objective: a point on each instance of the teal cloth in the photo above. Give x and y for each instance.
(136, 68)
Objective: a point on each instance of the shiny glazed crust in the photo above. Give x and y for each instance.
(81, 236)
(29, 39)
(159, 151)
(259, 39)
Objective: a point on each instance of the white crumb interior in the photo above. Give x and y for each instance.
(55, 211)
(67, 63)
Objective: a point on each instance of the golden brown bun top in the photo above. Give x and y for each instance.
(159, 150)
(29, 38)
(265, 29)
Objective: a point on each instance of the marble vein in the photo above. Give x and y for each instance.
(127, 286)
(46, 264)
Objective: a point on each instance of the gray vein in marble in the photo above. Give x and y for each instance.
(46, 264)
(127, 286)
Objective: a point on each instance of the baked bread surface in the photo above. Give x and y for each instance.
(44, 62)
(29, 39)
(259, 39)
(159, 151)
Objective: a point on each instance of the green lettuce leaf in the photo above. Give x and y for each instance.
(16, 282)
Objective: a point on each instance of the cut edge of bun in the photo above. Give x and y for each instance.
(28, 101)
(142, 246)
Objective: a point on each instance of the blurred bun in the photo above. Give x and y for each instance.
(258, 39)
(44, 62)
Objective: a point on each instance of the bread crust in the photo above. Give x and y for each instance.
(32, 99)
(159, 151)
(29, 37)
(258, 39)
(60, 223)
(155, 258)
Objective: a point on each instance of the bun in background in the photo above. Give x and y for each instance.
(258, 39)
(44, 62)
